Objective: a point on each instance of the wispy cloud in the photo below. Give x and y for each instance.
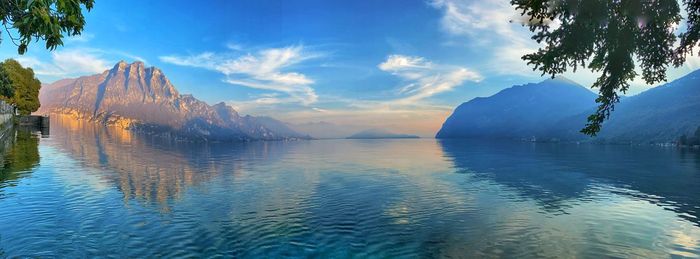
(488, 24)
(472, 18)
(409, 110)
(425, 78)
(265, 69)
(75, 62)
(84, 37)
(494, 26)
(68, 63)
(234, 46)
(128, 56)
(396, 63)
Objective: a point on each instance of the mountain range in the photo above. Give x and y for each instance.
(143, 99)
(325, 130)
(379, 134)
(558, 108)
(660, 114)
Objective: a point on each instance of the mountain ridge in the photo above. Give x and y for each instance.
(141, 98)
(659, 115)
(379, 134)
(519, 111)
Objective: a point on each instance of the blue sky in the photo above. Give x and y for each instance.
(402, 65)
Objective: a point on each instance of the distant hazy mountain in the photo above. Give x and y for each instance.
(143, 99)
(325, 130)
(378, 134)
(520, 111)
(559, 108)
(278, 126)
(660, 114)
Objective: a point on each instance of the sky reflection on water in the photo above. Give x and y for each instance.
(97, 191)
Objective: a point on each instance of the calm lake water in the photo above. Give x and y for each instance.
(88, 191)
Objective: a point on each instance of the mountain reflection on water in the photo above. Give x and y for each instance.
(555, 175)
(151, 169)
(90, 190)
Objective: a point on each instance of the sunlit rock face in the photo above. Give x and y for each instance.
(142, 98)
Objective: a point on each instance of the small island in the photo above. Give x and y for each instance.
(379, 134)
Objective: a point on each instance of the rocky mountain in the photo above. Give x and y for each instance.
(143, 99)
(521, 111)
(379, 134)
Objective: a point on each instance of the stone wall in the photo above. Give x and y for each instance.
(6, 126)
(6, 112)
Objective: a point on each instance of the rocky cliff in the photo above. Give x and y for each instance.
(142, 98)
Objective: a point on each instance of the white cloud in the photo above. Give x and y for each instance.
(463, 17)
(438, 83)
(400, 62)
(129, 56)
(68, 63)
(424, 78)
(487, 23)
(79, 62)
(495, 27)
(204, 60)
(407, 109)
(266, 69)
(31, 62)
(234, 46)
(84, 37)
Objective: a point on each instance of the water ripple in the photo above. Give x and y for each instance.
(113, 195)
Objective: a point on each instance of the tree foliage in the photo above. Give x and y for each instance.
(47, 20)
(607, 37)
(26, 87)
(7, 91)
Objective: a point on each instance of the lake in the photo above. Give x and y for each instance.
(86, 191)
